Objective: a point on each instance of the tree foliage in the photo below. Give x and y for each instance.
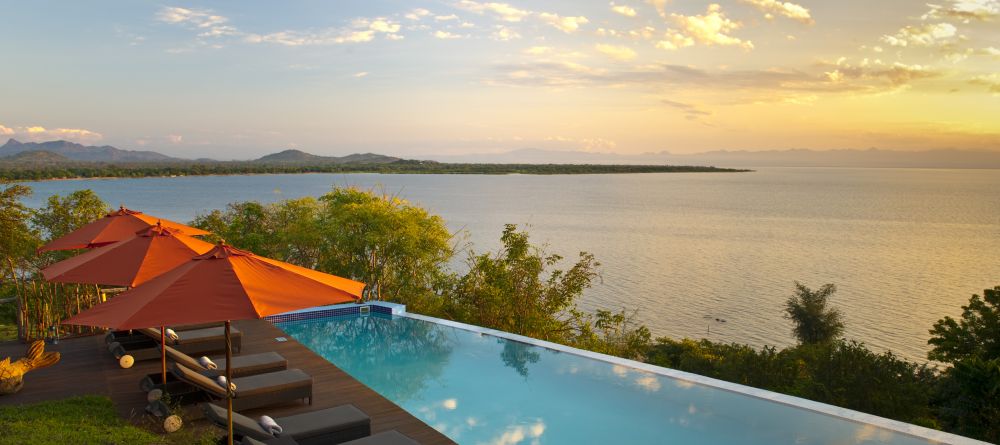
(396, 248)
(62, 215)
(17, 238)
(969, 393)
(813, 321)
(975, 335)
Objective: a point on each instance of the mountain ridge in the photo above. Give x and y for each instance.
(79, 152)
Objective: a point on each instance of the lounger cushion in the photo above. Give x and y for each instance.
(271, 382)
(324, 421)
(246, 364)
(391, 437)
(242, 425)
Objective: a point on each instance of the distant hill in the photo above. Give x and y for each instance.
(301, 157)
(36, 157)
(78, 152)
(949, 158)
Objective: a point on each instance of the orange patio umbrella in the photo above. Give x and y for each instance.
(223, 284)
(113, 227)
(147, 254)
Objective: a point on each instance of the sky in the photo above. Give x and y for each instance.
(236, 80)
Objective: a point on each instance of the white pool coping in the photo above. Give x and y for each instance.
(797, 402)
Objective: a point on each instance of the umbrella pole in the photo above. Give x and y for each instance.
(163, 354)
(229, 385)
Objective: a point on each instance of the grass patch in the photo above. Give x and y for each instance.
(87, 419)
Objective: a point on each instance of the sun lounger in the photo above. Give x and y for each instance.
(134, 335)
(330, 425)
(193, 342)
(391, 437)
(243, 365)
(256, 390)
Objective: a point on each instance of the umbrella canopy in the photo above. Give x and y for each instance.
(222, 284)
(147, 254)
(115, 226)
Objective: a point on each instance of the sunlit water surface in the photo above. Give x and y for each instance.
(904, 246)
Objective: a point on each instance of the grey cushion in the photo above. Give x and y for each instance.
(242, 425)
(323, 421)
(391, 437)
(242, 364)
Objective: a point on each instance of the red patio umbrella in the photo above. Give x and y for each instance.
(113, 227)
(147, 254)
(224, 284)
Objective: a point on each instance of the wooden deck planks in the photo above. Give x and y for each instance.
(87, 368)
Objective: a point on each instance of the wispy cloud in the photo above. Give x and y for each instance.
(618, 52)
(965, 10)
(508, 13)
(445, 35)
(922, 35)
(785, 9)
(691, 112)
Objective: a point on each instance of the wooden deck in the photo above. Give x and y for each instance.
(87, 368)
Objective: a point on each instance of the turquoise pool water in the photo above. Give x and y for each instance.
(480, 389)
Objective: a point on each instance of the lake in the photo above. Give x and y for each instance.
(904, 246)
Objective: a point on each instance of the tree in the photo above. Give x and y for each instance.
(976, 335)
(17, 238)
(814, 322)
(969, 393)
(62, 215)
(507, 290)
(397, 249)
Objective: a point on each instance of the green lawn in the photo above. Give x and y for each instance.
(82, 420)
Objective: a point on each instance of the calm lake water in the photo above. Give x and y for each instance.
(904, 246)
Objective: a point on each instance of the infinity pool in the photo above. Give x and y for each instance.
(481, 389)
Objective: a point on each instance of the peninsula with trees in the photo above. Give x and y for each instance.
(28, 161)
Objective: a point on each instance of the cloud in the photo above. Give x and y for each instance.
(798, 86)
(417, 14)
(616, 51)
(175, 138)
(445, 18)
(37, 133)
(360, 31)
(504, 33)
(785, 9)
(965, 10)
(508, 13)
(691, 112)
(896, 74)
(209, 24)
(990, 81)
(504, 11)
(922, 35)
(360, 74)
(713, 28)
(564, 24)
(446, 35)
(624, 10)
(644, 33)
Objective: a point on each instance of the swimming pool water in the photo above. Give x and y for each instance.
(480, 389)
